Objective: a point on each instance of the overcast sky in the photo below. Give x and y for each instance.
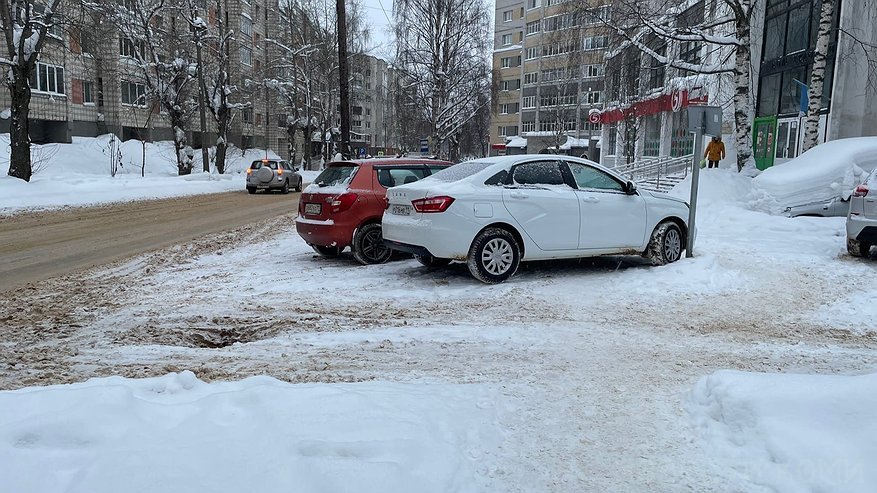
(379, 14)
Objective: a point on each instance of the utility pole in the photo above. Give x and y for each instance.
(202, 92)
(343, 76)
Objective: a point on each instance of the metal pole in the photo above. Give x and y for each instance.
(695, 174)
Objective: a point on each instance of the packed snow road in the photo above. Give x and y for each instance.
(578, 374)
(41, 245)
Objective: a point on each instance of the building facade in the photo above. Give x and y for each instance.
(549, 68)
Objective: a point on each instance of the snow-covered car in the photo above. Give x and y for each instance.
(494, 213)
(862, 219)
(272, 174)
(834, 207)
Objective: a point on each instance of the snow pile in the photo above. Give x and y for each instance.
(829, 170)
(79, 174)
(717, 187)
(856, 311)
(178, 434)
(791, 433)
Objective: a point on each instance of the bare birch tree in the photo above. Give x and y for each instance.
(441, 51)
(25, 30)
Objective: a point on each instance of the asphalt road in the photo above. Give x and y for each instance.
(42, 245)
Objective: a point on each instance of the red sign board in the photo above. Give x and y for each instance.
(675, 101)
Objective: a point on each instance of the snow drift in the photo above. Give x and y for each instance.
(178, 434)
(791, 433)
(829, 170)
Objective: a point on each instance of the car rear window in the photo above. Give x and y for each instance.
(463, 170)
(259, 164)
(336, 176)
(393, 177)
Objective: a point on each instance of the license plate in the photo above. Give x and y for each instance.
(402, 210)
(313, 208)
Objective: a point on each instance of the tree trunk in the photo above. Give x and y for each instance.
(817, 77)
(344, 79)
(743, 96)
(19, 128)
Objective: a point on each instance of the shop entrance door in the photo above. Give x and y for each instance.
(764, 141)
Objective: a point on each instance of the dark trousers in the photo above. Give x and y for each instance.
(712, 164)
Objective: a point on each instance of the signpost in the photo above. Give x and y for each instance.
(424, 146)
(701, 120)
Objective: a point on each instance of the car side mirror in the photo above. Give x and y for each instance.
(630, 189)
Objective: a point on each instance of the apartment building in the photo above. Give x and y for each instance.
(371, 107)
(548, 61)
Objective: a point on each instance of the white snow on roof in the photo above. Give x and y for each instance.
(516, 141)
(829, 170)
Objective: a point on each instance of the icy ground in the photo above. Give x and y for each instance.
(573, 376)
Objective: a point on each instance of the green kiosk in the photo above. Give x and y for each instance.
(764, 141)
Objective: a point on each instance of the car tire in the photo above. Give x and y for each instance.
(666, 244)
(368, 245)
(432, 262)
(857, 248)
(285, 189)
(251, 190)
(494, 256)
(298, 186)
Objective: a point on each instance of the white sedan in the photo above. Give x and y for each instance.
(494, 213)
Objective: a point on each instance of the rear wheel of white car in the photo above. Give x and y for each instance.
(857, 249)
(432, 262)
(666, 244)
(327, 251)
(368, 245)
(494, 256)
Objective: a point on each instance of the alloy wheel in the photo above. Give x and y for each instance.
(672, 245)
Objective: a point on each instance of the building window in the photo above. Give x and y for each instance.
(247, 115)
(48, 78)
(591, 71)
(598, 15)
(528, 126)
(528, 102)
(87, 92)
(246, 55)
(506, 39)
(595, 42)
(532, 53)
(510, 85)
(593, 97)
(508, 62)
(130, 49)
(508, 108)
(533, 27)
(652, 141)
(246, 25)
(531, 78)
(133, 94)
(507, 16)
(532, 4)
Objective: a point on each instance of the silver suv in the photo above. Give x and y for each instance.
(272, 174)
(862, 219)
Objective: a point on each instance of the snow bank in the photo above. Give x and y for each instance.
(716, 187)
(791, 433)
(829, 170)
(178, 434)
(78, 174)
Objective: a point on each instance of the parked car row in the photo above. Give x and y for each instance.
(491, 213)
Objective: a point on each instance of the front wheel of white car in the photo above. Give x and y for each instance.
(666, 244)
(494, 256)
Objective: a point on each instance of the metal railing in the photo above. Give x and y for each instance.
(653, 170)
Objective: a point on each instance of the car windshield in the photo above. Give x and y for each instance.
(463, 170)
(335, 175)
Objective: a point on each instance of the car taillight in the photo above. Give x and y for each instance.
(343, 202)
(279, 171)
(432, 204)
(249, 171)
(861, 191)
(386, 203)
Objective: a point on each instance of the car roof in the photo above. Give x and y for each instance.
(403, 161)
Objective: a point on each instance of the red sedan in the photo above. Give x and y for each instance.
(344, 205)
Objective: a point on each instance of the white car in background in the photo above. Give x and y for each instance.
(494, 213)
(862, 219)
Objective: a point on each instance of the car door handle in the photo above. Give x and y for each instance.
(518, 195)
(590, 200)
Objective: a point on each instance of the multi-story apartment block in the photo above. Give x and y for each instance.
(548, 60)
(88, 83)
